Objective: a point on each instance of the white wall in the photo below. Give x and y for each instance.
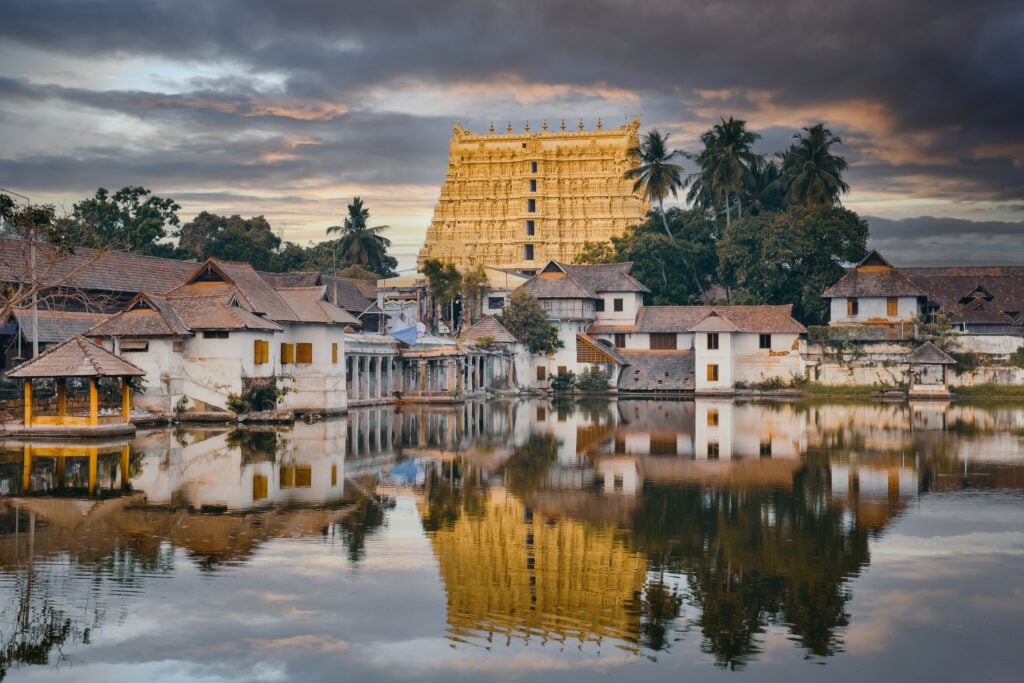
(872, 308)
(723, 357)
(754, 364)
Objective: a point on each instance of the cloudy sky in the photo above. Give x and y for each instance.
(290, 109)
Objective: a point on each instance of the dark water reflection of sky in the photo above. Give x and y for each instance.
(529, 541)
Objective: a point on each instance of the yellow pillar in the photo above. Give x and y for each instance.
(125, 452)
(62, 397)
(94, 403)
(126, 400)
(26, 482)
(94, 456)
(28, 402)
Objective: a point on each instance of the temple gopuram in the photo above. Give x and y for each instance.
(516, 200)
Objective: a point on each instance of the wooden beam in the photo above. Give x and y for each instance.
(94, 403)
(28, 402)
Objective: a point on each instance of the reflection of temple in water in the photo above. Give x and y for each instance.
(512, 574)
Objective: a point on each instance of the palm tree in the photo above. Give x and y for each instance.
(812, 174)
(726, 166)
(359, 244)
(656, 177)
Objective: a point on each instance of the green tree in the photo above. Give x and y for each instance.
(525, 320)
(231, 238)
(811, 174)
(655, 177)
(132, 218)
(475, 286)
(445, 282)
(791, 257)
(360, 244)
(726, 167)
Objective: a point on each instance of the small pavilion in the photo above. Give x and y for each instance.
(928, 374)
(77, 357)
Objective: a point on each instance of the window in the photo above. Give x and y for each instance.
(260, 352)
(892, 307)
(712, 373)
(542, 414)
(663, 341)
(712, 341)
(334, 475)
(712, 450)
(764, 341)
(712, 417)
(599, 305)
(531, 228)
(259, 486)
(542, 373)
(562, 369)
(620, 340)
(134, 345)
(851, 307)
(766, 449)
(495, 302)
(617, 305)
(527, 252)
(531, 205)
(533, 185)
(215, 334)
(303, 353)
(533, 167)
(287, 353)
(178, 346)
(334, 353)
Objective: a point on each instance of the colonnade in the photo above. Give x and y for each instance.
(376, 377)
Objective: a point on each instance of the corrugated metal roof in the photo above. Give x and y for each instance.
(56, 326)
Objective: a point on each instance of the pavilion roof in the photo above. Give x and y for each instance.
(76, 357)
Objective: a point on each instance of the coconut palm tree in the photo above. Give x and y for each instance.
(656, 177)
(360, 244)
(726, 165)
(810, 172)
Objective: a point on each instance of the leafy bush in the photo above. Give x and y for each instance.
(1017, 358)
(965, 362)
(257, 394)
(563, 381)
(592, 381)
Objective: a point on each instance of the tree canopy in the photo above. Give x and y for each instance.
(362, 245)
(526, 320)
(132, 218)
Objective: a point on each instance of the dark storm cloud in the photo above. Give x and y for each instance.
(925, 93)
(929, 241)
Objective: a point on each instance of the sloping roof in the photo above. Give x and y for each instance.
(489, 325)
(600, 347)
(715, 322)
(873, 283)
(254, 292)
(658, 371)
(343, 292)
(112, 271)
(930, 354)
(217, 311)
(953, 288)
(301, 279)
(56, 326)
(562, 287)
(310, 305)
(606, 277)
(76, 357)
(147, 315)
(669, 318)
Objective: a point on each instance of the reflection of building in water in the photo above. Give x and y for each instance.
(872, 494)
(87, 468)
(511, 574)
(244, 468)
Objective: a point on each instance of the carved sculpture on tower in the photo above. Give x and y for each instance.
(515, 200)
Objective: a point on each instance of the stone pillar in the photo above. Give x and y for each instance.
(355, 377)
(423, 375)
(380, 376)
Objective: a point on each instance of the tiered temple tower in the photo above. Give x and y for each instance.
(515, 200)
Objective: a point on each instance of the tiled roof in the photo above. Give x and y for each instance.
(952, 288)
(216, 311)
(76, 357)
(256, 294)
(280, 280)
(761, 319)
(657, 371)
(148, 315)
(930, 354)
(873, 284)
(344, 293)
(56, 326)
(310, 305)
(564, 287)
(606, 277)
(489, 325)
(112, 271)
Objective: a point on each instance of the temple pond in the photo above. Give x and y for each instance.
(524, 540)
